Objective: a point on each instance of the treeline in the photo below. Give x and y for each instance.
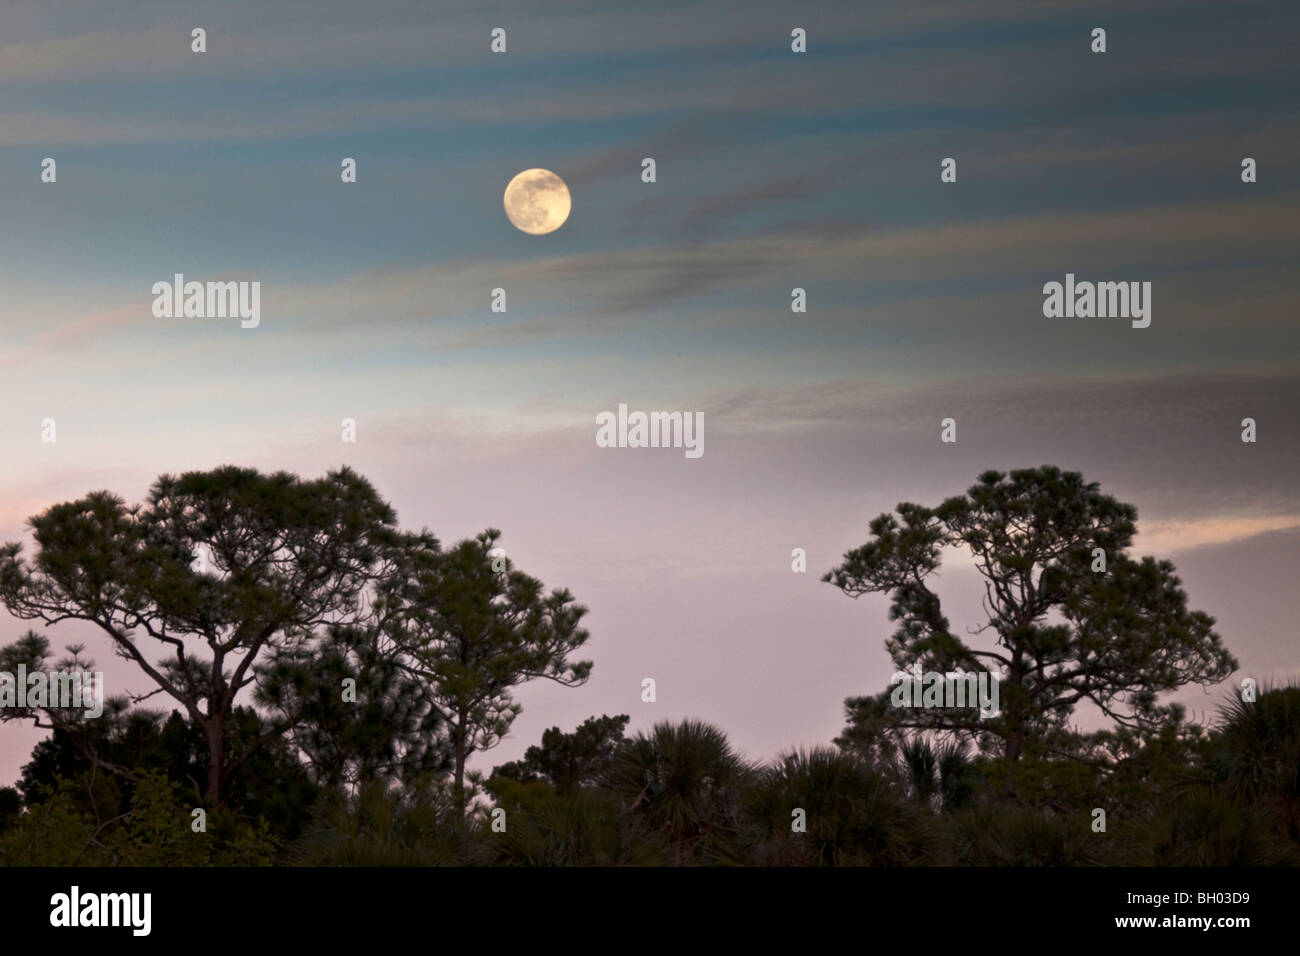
(678, 794)
(330, 677)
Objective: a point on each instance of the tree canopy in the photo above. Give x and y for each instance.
(1069, 615)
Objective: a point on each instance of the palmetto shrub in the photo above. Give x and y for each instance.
(585, 828)
(387, 826)
(685, 782)
(853, 813)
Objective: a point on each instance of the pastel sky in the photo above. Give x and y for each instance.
(775, 170)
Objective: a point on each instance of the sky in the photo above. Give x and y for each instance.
(775, 170)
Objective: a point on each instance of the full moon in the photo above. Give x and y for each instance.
(537, 201)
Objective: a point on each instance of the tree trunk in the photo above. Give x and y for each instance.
(1015, 724)
(460, 763)
(215, 729)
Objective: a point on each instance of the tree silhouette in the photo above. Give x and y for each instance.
(389, 729)
(570, 761)
(474, 632)
(279, 558)
(272, 783)
(1063, 631)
